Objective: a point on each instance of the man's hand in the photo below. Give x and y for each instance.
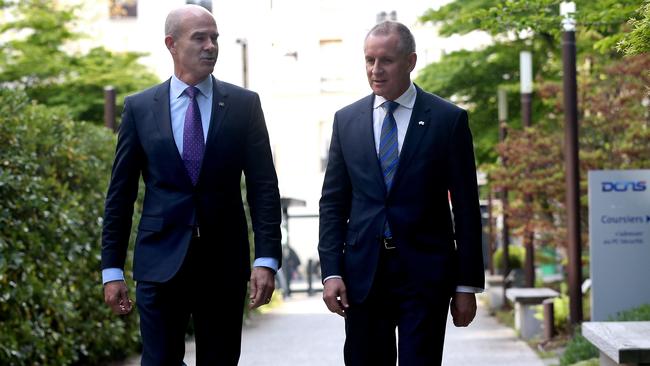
(335, 296)
(463, 308)
(116, 296)
(262, 285)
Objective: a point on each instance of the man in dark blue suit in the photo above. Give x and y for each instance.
(392, 255)
(190, 138)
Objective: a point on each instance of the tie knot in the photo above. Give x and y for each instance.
(391, 105)
(192, 91)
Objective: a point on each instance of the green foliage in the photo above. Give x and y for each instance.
(578, 349)
(641, 313)
(33, 59)
(590, 362)
(53, 175)
(613, 135)
(471, 78)
(601, 19)
(638, 40)
(516, 257)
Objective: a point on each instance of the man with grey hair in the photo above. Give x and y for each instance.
(391, 253)
(191, 138)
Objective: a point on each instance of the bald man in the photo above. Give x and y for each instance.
(191, 138)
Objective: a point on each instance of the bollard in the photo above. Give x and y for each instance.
(310, 289)
(549, 319)
(109, 107)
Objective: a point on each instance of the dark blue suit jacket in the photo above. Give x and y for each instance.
(436, 158)
(237, 141)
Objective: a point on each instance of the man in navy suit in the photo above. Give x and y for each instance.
(190, 138)
(392, 255)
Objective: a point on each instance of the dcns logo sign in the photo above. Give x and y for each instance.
(624, 186)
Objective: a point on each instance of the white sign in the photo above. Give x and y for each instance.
(619, 236)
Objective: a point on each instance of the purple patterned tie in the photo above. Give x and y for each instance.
(193, 142)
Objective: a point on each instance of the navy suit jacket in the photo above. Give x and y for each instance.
(237, 141)
(436, 158)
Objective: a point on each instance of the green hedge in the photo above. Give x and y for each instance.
(53, 177)
(516, 257)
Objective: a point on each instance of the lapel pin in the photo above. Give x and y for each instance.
(221, 104)
(421, 123)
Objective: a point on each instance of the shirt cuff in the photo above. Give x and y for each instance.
(268, 262)
(112, 274)
(469, 289)
(330, 277)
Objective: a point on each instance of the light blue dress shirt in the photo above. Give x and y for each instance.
(178, 103)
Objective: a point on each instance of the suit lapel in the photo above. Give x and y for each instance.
(219, 110)
(418, 125)
(162, 117)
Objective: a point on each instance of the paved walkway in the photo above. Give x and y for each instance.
(302, 332)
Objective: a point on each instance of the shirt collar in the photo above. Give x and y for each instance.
(177, 87)
(406, 100)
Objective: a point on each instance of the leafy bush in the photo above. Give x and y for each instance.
(516, 257)
(590, 362)
(53, 176)
(641, 313)
(578, 349)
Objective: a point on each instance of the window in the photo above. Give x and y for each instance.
(204, 3)
(123, 8)
(332, 65)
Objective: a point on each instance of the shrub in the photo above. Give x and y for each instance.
(578, 349)
(516, 257)
(641, 313)
(53, 176)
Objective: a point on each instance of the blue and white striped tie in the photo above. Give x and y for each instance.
(388, 151)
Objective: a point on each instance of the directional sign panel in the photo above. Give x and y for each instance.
(619, 236)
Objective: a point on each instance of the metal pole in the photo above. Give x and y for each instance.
(109, 107)
(526, 75)
(244, 57)
(491, 244)
(310, 266)
(572, 165)
(529, 235)
(503, 117)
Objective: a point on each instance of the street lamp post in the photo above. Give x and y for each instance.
(505, 235)
(244, 59)
(567, 9)
(526, 81)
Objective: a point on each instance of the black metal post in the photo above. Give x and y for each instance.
(491, 244)
(529, 264)
(310, 272)
(244, 60)
(572, 173)
(109, 108)
(505, 231)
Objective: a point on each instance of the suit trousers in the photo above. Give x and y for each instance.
(166, 308)
(396, 301)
